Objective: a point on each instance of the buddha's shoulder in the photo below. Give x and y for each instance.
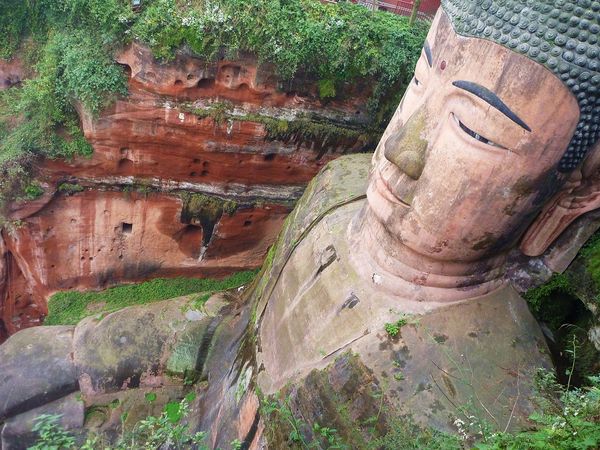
(341, 182)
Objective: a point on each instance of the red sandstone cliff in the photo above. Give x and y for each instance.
(229, 130)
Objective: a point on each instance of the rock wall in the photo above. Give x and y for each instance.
(228, 132)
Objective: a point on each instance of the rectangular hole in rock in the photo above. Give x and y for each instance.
(126, 228)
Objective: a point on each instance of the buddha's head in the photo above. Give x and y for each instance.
(502, 110)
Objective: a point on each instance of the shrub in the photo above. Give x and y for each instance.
(70, 47)
(166, 431)
(393, 329)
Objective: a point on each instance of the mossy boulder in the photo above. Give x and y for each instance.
(138, 346)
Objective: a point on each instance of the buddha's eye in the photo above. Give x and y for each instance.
(474, 134)
(417, 82)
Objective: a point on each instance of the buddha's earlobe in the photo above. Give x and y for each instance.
(581, 194)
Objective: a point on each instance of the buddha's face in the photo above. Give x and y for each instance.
(470, 156)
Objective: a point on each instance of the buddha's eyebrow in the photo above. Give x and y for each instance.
(427, 49)
(489, 97)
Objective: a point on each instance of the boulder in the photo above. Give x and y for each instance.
(36, 367)
(138, 346)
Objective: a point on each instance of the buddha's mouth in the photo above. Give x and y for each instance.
(386, 192)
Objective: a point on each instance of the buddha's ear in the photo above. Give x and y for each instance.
(580, 195)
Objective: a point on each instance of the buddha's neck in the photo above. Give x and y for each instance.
(401, 270)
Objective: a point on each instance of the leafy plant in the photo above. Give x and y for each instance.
(568, 419)
(70, 45)
(393, 329)
(70, 188)
(33, 191)
(330, 436)
(51, 435)
(405, 434)
(166, 431)
(272, 407)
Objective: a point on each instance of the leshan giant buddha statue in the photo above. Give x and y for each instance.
(500, 114)
(494, 148)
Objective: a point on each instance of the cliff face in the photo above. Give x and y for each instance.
(192, 174)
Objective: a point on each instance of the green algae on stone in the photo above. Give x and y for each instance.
(189, 351)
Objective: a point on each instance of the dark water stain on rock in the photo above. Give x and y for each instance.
(485, 242)
(440, 338)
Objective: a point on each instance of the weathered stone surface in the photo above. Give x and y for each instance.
(18, 434)
(79, 242)
(228, 407)
(36, 367)
(110, 413)
(490, 345)
(345, 396)
(136, 346)
(341, 181)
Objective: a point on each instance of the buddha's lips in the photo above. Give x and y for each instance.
(385, 191)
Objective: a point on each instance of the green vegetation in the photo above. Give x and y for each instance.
(51, 435)
(591, 254)
(67, 308)
(68, 47)
(565, 303)
(334, 43)
(280, 411)
(405, 434)
(566, 419)
(166, 431)
(301, 129)
(204, 207)
(551, 302)
(393, 329)
(70, 188)
(33, 191)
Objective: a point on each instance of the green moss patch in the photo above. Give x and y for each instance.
(303, 129)
(68, 308)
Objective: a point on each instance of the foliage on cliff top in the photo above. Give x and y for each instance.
(68, 308)
(332, 43)
(66, 46)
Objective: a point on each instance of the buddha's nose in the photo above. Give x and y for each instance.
(406, 149)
